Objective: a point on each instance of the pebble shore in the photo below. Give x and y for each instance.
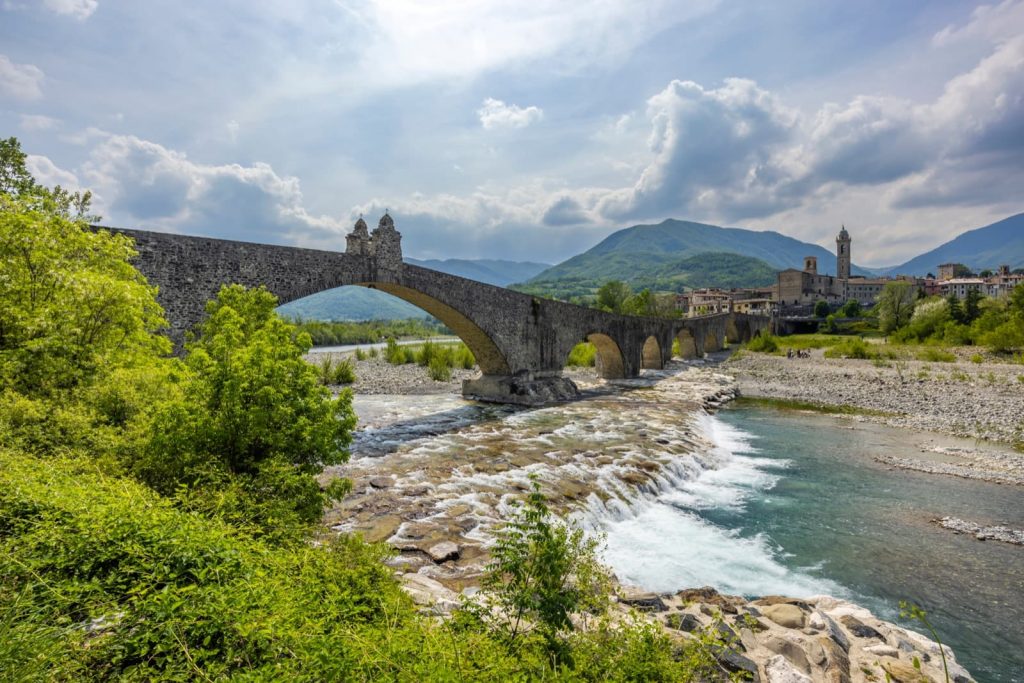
(982, 401)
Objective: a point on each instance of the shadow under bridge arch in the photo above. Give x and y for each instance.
(488, 356)
(609, 361)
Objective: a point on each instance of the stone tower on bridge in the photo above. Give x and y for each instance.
(383, 247)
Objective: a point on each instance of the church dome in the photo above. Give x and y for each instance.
(386, 223)
(843, 235)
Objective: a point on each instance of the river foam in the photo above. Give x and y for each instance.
(663, 541)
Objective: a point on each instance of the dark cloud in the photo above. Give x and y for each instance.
(565, 211)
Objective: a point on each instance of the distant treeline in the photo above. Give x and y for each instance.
(370, 331)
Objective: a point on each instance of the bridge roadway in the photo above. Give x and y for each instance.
(520, 341)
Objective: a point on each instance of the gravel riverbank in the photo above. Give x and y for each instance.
(982, 401)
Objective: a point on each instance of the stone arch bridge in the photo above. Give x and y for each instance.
(520, 341)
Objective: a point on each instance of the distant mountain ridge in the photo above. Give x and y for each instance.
(358, 303)
(1001, 243)
(635, 254)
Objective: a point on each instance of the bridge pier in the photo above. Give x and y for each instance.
(524, 388)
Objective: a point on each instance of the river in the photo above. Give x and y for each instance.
(750, 501)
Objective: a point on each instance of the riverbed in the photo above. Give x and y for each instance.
(750, 501)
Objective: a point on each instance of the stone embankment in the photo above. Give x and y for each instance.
(785, 640)
(983, 401)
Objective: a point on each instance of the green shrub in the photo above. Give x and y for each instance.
(360, 354)
(344, 372)
(934, 355)
(439, 370)
(851, 348)
(253, 425)
(583, 355)
(373, 352)
(396, 354)
(977, 358)
(763, 343)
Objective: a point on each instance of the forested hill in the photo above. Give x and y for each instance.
(680, 239)
(659, 273)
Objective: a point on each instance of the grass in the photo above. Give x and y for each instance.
(334, 372)
(794, 404)
(438, 359)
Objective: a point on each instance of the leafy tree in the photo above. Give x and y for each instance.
(985, 273)
(851, 309)
(821, 309)
(895, 306)
(612, 296)
(253, 425)
(72, 307)
(17, 182)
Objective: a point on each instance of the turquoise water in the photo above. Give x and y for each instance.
(800, 507)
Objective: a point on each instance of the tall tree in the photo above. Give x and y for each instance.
(895, 306)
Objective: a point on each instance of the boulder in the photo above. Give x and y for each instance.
(882, 650)
(382, 482)
(779, 670)
(793, 653)
(427, 592)
(645, 602)
(859, 628)
(737, 663)
(823, 622)
(444, 551)
(784, 614)
(901, 672)
(682, 621)
(837, 663)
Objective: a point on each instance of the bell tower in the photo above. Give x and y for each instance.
(843, 261)
(843, 254)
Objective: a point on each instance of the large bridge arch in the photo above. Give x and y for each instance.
(687, 345)
(488, 356)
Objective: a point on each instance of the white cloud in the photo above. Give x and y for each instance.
(79, 9)
(36, 122)
(990, 23)
(496, 114)
(49, 174)
(409, 41)
(142, 183)
(20, 81)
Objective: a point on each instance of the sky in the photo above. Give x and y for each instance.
(525, 130)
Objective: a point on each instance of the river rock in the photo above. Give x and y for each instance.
(901, 672)
(682, 621)
(859, 628)
(737, 663)
(791, 651)
(427, 592)
(882, 650)
(783, 614)
(382, 482)
(779, 670)
(823, 622)
(837, 663)
(444, 551)
(645, 602)
(382, 528)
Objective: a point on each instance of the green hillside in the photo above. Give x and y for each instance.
(660, 273)
(664, 244)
